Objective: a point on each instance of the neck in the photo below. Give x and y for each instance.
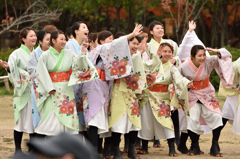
(157, 39)
(163, 62)
(58, 49)
(79, 40)
(196, 64)
(43, 49)
(30, 48)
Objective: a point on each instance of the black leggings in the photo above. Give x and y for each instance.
(116, 138)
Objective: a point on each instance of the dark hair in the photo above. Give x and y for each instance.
(153, 24)
(144, 30)
(76, 26)
(54, 35)
(103, 35)
(50, 28)
(167, 44)
(93, 36)
(23, 34)
(68, 33)
(195, 49)
(139, 39)
(119, 34)
(41, 34)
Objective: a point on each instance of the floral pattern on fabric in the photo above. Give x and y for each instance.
(120, 67)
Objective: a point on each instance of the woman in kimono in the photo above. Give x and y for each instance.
(79, 32)
(204, 107)
(54, 91)
(155, 102)
(22, 99)
(43, 39)
(96, 93)
(124, 117)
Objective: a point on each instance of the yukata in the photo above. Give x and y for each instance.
(112, 60)
(59, 71)
(124, 113)
(231, 109)
(156, 99)
(24, 101)
(74, 46)
(153, 46)
(204, 106)
(190, 39)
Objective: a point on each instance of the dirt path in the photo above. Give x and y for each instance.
(229, 142)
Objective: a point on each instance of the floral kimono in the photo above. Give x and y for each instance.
(233, 92)
(153, 46)
(123, 96)
(158, 93)
(113, 61)
(24, 97)
(202, 89)
(53, 73)
(73, 45)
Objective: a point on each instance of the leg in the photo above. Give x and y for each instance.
(107, 145)
(100, 141)
(17, 140)
(41, 136)
(138, 143)
(215, 149)
(144, 149)
(126, 142)
(182, 147)
(31, 136)
(132, 140)
(172, 152)
(116, 141)
(156, 143)
(195, 149)
(175, 120)
(93, 136)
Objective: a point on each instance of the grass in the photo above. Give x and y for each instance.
(4, 92)
(7, 139)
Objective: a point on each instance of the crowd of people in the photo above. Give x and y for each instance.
(102, 86)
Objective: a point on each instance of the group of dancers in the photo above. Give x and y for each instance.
(103, 86)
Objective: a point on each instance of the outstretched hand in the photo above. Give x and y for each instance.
(212, 50)
(4, 64)
(191, 25)
(137, 31)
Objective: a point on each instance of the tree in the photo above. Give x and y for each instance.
(35, 13)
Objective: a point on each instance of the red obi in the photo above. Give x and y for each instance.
(197, 85)
(158, 88)
(101, 74)
(60, 76)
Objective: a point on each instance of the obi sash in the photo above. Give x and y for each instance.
(60, 76)
(158, 88)
(101, 74)
(197, 85)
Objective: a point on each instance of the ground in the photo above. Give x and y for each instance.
(229, 142)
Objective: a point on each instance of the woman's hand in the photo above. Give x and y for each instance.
(212, 50)
(52, 92)
(191, 25)
(172, 60)
(84, 50)
(143, 47)
(190, 84)
(137, 31)
(159, 51)
(4, 64)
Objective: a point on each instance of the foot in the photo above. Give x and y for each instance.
(156, 144)
(117, 153)
(214, 151)
(106, 151)
(173, 154)
(138, 144)
(131, 152)
(194, 150)
(183, 149)
(142, 151)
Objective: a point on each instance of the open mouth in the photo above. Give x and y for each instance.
(86, 34)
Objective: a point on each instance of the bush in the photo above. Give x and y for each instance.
(4, 56)
(214, 78)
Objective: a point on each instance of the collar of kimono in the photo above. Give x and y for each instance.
(76, 45)
(155, 43)
(26, 49)
(59, 56)
(166, 64)
(39, 50)
(195, 69)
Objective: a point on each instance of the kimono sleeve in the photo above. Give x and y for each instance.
(82, 70)
(19, 77)
(116, 59)
(32, 64)
(180, 99)
(223, 66)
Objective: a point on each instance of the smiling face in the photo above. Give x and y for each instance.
(158, 31)
(30, 39)
(166, 54)
(45, 44)
(145, 37)
(199, 58)
(133, 46)
(85, 43)
(82, 31)
(60, 42)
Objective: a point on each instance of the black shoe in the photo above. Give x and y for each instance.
(117, 153)
(214, 151)
(131, 152)
(156, 144)
(183, 149)
(172, 152)
(138, 144)
(194, 150)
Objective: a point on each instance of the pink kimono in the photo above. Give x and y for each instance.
(203, 89)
